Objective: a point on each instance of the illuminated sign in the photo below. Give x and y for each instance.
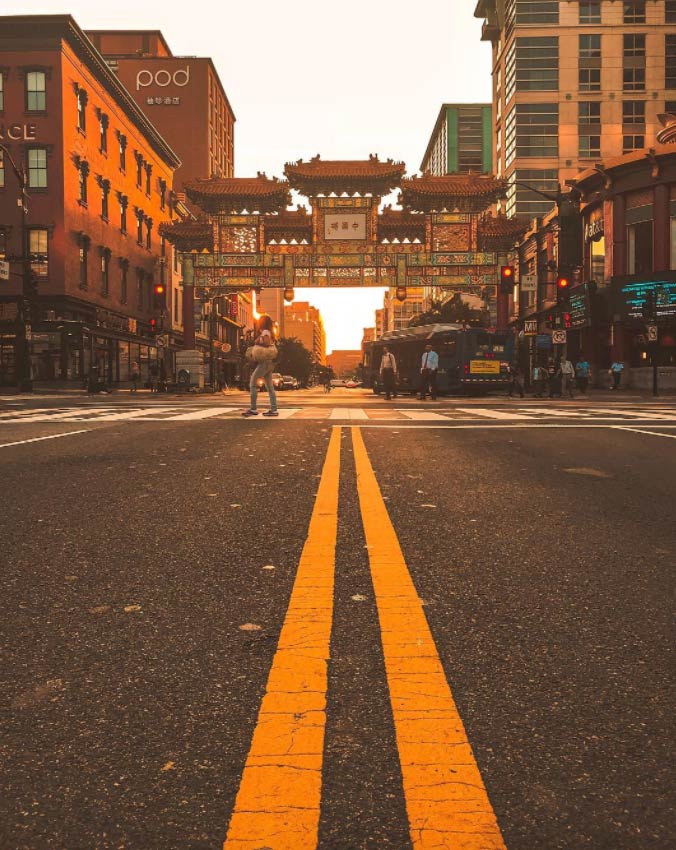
(578, 307)
(484, 367)
(163, 78)
(594, 227)
(631, 296)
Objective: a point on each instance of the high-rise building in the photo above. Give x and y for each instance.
(182, 95)
(381, 326)
(271, 301)
(369, 335)
(304, 322)
(574, 83)
(400, 313)
(461, 141)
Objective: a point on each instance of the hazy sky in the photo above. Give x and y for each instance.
(344, 78)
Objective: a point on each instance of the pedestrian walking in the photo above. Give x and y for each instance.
(135, 375)
(616, 370)
(567, 372)
(153, 374)
(515, 380)
(553, 378)
(540, 378)
(428, 373)
(388, 373)
(582, 373)
(264, 353)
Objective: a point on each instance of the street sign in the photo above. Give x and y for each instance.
(543, 341)
(529, 282)
(652, 333)
(4, 270)
(530, 327)
(559, 337)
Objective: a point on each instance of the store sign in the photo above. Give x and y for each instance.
(630, 296)
(18, 132)
(529, 283)
(578, 308)
(594, 227)
(4, 270)
(163, 78)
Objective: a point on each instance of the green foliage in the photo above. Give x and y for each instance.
(294, 359)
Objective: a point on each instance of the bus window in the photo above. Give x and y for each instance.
(447, 348)
(483, 342)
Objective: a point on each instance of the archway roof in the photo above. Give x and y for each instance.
(325, 176)
(466, 192)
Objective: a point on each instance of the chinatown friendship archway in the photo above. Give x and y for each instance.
(443, 239)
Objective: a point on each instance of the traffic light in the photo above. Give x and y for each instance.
(550, 321)
(562, 285)
(401, 293)
(567, 322)
(159, 291)
(506, 280)
(289, 294)
(153, 327)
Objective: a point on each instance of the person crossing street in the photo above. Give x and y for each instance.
(428, 373)
(388, 373)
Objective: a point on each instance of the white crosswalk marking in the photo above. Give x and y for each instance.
(71, 415)
(492, 414)
(352, 414)
(422, 415)
(205, 413)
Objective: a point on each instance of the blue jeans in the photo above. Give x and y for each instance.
(263, 370)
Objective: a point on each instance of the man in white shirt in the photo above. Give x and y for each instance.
(388, 373)
(428, 373)
(567, 371)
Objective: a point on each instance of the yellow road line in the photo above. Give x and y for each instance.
(279, 796)
(447, 804)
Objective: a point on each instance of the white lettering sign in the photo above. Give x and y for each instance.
(18, 132)
(163, 78)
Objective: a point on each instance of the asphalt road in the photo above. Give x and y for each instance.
(150, 568)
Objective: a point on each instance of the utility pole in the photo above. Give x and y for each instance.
(650, 315)
(25, 303)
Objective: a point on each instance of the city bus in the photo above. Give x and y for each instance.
(471, 360)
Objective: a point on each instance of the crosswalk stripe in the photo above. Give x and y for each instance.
(349, 413)
(279, 796)
(492, 414)
(71, 415)
(422, 415)
(205, 413)
(446, 801)
(634, 414)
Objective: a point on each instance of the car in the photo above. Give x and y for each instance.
(352, 383)
(277, 380)
(289, 383)
(337, 382)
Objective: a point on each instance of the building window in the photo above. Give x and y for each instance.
(634, 11)
(670, 12)
(139, 227)
(590, 11)
(105, 270)
(634, 45)
(2, 169)
(590, 79)
(633, 114)
(38, 248)
(37, 168)
(149, 231)
(670, 107)
(535, 12)
(534, 65)
(640, 248)
(139, 169)
(103, 132)
(124, 201)
(84, 262)
(82, 110)
(597, 259)
(632, 142)
(2, 91)
(589, 113)
(36, 91)
(105, 190)
(123, 151)
(148, 170)
(83, 176)
(633, 79)
(522, 200)
(590, 147)
(532, 130)
(670, 61)
(163, 194)
(124, 276)
(139, 289)
(590, 46)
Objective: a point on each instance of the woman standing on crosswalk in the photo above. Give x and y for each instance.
(264, 354)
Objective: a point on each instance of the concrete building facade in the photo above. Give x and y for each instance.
(575, 82)
(461, 141)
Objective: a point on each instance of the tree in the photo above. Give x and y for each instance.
(294, 359)
(453, 311)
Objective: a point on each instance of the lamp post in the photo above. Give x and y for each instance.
(24, 331)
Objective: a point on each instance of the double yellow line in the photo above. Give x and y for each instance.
(279, 798)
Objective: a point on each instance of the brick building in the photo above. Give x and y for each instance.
(305, 323)
(344, 362)
(99, 182)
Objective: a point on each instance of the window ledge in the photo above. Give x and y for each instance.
(81, 131)
(106, 219)
(82, 203)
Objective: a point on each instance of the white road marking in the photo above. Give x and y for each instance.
(38, 439)
(350, 413)
(422, 415)
(17, 414)
(491, 414)
(635, 414)
(649, 433)
(73, 415)
(485, 426)
(205, 413)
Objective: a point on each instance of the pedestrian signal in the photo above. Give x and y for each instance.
(506, 280)
(153, 326)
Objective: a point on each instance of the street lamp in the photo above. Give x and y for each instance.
(24, 330)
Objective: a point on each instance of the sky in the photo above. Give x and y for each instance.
(342, 78)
